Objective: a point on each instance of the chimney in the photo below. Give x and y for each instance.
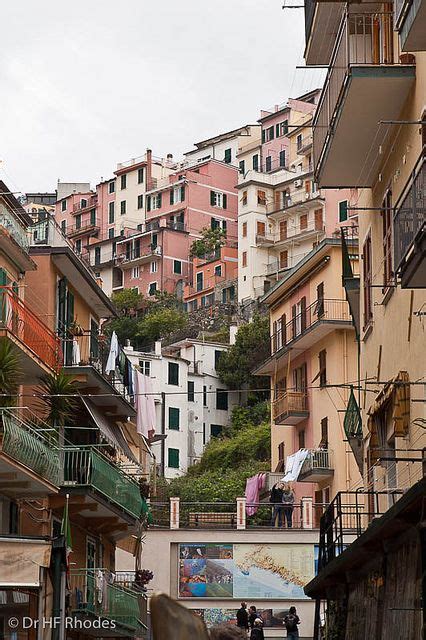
(170, 156)
(157, 348)
(232, 333)
(148, 169)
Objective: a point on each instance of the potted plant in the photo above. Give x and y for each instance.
(75, 329)
(142, 578)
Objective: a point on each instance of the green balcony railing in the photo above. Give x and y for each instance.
(93, 592)
(23, 443)
(89, 468)
(352, 421)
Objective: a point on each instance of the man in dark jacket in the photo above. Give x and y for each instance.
(242, 617)
(276, 499)
(252, 616)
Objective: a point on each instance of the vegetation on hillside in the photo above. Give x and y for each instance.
(211, 241)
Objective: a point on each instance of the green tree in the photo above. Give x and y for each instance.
(58, 394)
(10, 373)
(160, 323)
(211, 241)
(251, 348)
(128, 301)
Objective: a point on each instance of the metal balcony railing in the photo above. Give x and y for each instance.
(91, 202)
(86, 467)
(363, 39)
(13, 228)
(322, 310)
(410, 212)
(95, 592)
(176, 226)
(82, 227)
(317, 459)
(290, 402)
(26, 445)
(22, 323)
(139, 253)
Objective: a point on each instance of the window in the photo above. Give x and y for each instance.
(93, 217)
(200, 281)
(177, 266)
(83, 203)
(283, 230)
(319, 224)
(78, 246)
(140, 201)
(282, 158)
(204, 396)
(216, 430)
(111, 212)
(228, 156)
(97, 255)
(154, 240)
(301, 436)
(255, 162)
(135, 272)
(123, 207)
(281, 129)
(324, 434)
(64, 226)
(218, 270)
(268, 163)
(173, 458)
(78, 221)
(268, 134)
(244, 259)
(322, 357)
(111, 187)
(140, 175)
(218, 199)
(152, 288)
(260, 228)
(173, 377)
(343, 210)
(110, 233)
(217, 357)
(367, 281)
(123, 183)
(387, 239)
(303, 221)
(244, 230)
(221, 400)
(177, 194)
(63, 205)
(191, 391)
(244, 198)
(242, 166)
(174, 418)
(283, 259)
(218, 224)
(145, 367)
(320, 299)
(154, 202)
(261, 197)
(299, 141)
(154, 266)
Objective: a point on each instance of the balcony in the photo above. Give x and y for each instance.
(305, 146)
(39, 348)
(91, 227)
(13, 228)
(136, 256)
(176, 226)
(410, 230)
(410, 20)
(95, 595)
(317, 467)
(90, 476)
(29, 463)
(363, 86)
(311, 325)
(350, 280)
(322, 21)
(291, 408)
(91, 202)
(299, 199)
(14, 240)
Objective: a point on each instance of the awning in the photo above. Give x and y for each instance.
(113, 434)
(20, 561)
(397, 393)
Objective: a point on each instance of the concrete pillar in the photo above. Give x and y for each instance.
(241, 513)
(174, 513)
(307, 513)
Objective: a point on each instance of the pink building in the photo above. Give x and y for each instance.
(213, 279)
(201, 195)
(77, 216)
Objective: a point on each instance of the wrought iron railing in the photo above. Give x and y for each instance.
(86, 467)
(317, 459)
(363, 39)
(22, 323)
(322, 310)
(136, 254)
(290, 402)
(95, 592)
(23, 443)
(13, 228)
(82, 227)
(410, 212)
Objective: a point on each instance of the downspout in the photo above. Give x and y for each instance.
(163, 432)
(345, 380)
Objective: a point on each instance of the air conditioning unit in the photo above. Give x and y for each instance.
(297, 183)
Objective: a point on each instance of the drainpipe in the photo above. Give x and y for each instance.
(163, 432)
(345, 380)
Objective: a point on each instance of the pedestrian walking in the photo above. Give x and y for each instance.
(257, 631)
(287, 501)
(242, 617)
(276, 499)
(252, 616)
(291, 621)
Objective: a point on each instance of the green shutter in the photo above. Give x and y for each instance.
(224, 200)
(343, 211)
(171, 196)
(173, 373)
(3, 299)
(173, 458)
(62, 297)
(277, 130)
(182, 193)
(212, 198)
(159, 201)
(263, 136)
(174, 418)
(148, 203)
(69, 320)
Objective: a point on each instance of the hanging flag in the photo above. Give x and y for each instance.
(66, 532)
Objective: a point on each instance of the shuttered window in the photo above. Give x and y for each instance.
(174, 418)
(173, 377)
(173, 458)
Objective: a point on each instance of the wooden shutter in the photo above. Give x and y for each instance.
(261, 228)
(62, 297)
(303, 221)
(283, 230)
(182, 193)
(277, 130)
(148, 203)
(274, 336)
(277, 198)
(171, 196)
(263, 136)
(303, 313)
(284, 329)
(224, 201)
(293, 320)
(318, 220)
(244, 229)
(324, 433)
(283, 259)
(320, 299)
(212, 198)
(3, 298)
(159, 198)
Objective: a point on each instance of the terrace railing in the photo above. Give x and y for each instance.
(13, 228)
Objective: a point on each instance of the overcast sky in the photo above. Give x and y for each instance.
(89, 83)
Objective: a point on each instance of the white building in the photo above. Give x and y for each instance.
(192, 405)
(223, 147)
